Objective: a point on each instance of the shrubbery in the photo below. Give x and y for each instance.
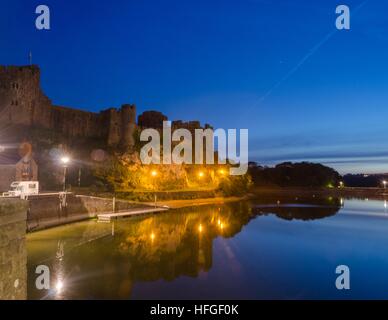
(288, 174)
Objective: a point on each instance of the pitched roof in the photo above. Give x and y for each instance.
(9, 155)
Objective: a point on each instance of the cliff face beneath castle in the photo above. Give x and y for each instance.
(23, 103)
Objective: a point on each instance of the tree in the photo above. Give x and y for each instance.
(302, 174)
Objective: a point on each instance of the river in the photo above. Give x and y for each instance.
(269, 248)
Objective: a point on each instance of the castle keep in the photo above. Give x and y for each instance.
(23, 103)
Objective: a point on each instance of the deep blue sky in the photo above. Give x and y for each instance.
(234, 64)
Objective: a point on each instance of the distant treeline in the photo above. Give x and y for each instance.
(365, 181)
(288, 174)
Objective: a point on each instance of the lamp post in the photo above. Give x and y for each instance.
(65, 161)
(154, 173)
(385, 184)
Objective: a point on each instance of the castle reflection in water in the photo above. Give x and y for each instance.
(105, 260)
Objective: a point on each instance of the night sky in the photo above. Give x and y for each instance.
(305, 90)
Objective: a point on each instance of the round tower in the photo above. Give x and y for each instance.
(128, 120)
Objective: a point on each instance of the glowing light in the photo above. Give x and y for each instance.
(200, 228)
(200, 174)
(385, 204)
(219, 222)
(59, 286)
(65, 160)
(152, 236)
(221, 172)
(154, 173)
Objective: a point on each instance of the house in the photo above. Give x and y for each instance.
(16, 165)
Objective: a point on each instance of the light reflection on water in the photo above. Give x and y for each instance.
(276, 247)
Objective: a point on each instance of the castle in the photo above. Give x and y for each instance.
(23, 103)
(24, 106)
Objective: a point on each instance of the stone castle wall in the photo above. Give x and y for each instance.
(21, 100)
(77, 123)
(23, 103)
(154, 119)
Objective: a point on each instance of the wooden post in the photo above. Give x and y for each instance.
(79, 177)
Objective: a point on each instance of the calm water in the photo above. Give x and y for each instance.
(249, 250)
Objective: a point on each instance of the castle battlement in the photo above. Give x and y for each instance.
(21, 69)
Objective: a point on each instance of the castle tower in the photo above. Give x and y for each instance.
(112, 120)
(21, 100)
(128, 125)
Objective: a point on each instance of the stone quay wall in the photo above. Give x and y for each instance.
(13, 253)
(52, 210)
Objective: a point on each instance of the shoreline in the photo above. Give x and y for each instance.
(346, 192)
(34, 225)
(362, 193)
(177, 204)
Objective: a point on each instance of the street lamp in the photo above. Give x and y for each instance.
(154, 173)
(385, 184)
(65, 161)
(221, 172)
